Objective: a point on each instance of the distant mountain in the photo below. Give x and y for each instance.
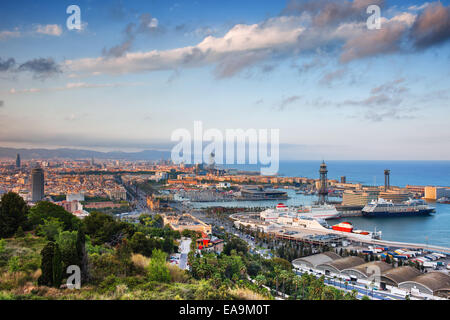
(82, 154)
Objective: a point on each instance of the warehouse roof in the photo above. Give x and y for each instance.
(433, 280)
(317, 259)
(371, 268)
(345, 263)
(401, 274)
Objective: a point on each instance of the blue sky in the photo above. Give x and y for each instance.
(309, 68)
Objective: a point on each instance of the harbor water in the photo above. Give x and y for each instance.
(433, 230)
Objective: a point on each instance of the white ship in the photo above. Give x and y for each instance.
(321, 225)
(316, 212)
(383, 208)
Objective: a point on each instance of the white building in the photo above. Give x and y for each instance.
(75, 197)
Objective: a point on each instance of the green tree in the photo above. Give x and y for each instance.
(2, 246)
(157, 268)
(14, 264)
(47, 253)
(44, 210)
(139, 243)
(167, 245)
(82, 254)
(235, 244)
(13, 214)
(66, 241)
(57, 267)
(123, 256)
(282, 263)
(19, 233)
(253, 268)
(50, 228)
(260, 280)
(102, 228)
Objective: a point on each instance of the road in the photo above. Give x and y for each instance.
(185, 248)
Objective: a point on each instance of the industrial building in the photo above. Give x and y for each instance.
(335, 267)
(366, 271)
(358, 198)
(395, 276)
(435, 193)
(432, 283)
(311, 262)
(395, 196)
(402, 281)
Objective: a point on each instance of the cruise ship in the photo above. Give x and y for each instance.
(316, 212)
(383, 208)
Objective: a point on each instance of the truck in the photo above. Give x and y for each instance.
(429, 264)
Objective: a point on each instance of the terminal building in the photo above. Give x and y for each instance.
(364, 272)
(335, 267)
(436, 193)
(395, 276)
(358, 198)
(395, 196)
(401, 281)
(432, 283)
(311, 262)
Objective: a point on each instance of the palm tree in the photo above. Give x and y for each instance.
(260, 280)
(284, 275)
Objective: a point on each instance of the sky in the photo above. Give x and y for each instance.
(139, 70)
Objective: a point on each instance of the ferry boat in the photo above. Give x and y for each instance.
(315, 211)
(383, 208)
(343, 226)
(347, 227)
(444, 200)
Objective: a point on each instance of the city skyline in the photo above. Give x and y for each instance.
(138, 71)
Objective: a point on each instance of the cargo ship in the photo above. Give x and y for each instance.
(383, 208)
(315, 211)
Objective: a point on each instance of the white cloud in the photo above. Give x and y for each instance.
(5, 34)
(245, 45)
(153, 23)
(274, 34)
(76, 85)
(418, 8)
(405, 17)
(49, 29)
(31, 90)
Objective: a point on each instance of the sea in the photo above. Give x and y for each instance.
(433, 230)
